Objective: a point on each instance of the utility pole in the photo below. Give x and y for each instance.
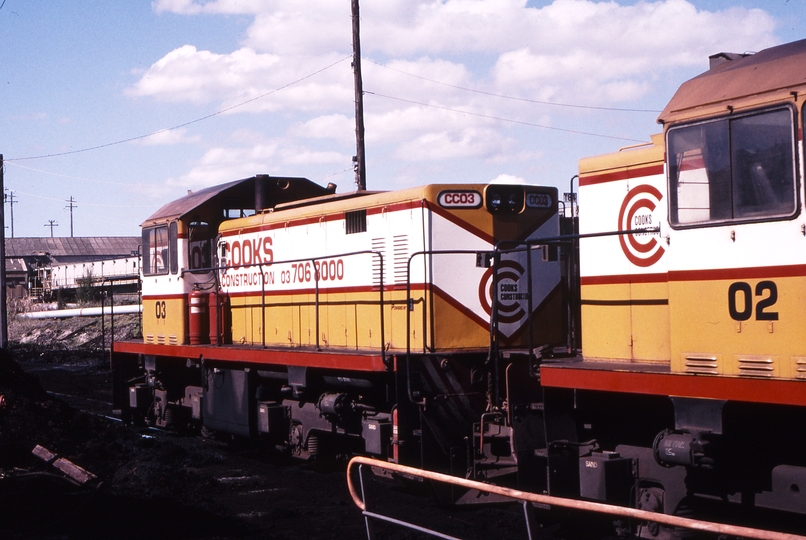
(9, 198)
(70, 207)
(359, 161)
(3, 313)
(51, 223)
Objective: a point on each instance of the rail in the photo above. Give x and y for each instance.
(316, 278)
(528, 499)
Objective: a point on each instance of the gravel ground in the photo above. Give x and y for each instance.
(156, 485)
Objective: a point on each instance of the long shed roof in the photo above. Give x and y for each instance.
(89, 246)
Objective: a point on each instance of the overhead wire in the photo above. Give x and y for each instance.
(500, 119)
(165, 130)
(70, 176)
(16, 191)
(514, 98)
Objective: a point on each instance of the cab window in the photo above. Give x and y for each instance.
(155, 251)
(198, 245)
(733, 169)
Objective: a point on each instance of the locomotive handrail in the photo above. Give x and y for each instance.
(264, 305)
(410, 302)
(527, 498)
(111, 280)
(501, 247)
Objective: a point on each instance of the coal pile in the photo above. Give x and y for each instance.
(55, 390)
(139, 479)
(158, 485)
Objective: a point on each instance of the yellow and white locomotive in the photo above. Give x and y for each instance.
(274, 307)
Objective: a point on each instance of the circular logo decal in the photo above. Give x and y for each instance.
(642, 249)
(510, 299)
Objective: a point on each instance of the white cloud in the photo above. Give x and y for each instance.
(251, 81)
(507, 179)
(438, 145)
(566, 47)
(333, 126)
(583, 52)
(276, 157)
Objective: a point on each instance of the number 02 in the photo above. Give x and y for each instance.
(740, 301)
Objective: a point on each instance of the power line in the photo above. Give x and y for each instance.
(85, 204)
(130, 139)
(521, 122)
(527, 100)
(71, 176)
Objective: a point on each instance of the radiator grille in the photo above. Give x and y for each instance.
(400, 245)
(756, 366)
(800, 367)
(379, 246)
(702, 363)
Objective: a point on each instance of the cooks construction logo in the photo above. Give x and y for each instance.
(512, 302)
(637, 212)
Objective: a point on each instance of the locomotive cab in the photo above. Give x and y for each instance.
(179, 258)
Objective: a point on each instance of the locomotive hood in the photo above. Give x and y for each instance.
(736, 81)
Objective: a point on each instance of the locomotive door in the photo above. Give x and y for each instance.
(733, 204)
(644, 208)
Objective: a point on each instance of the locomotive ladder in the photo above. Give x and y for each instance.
(528, 499)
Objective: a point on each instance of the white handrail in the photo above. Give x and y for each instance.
(589, 506)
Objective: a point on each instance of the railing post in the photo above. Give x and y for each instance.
(529, 300)
(316, 300)
(262, 305)
(367, 522)
(383, 329)
(529, 516)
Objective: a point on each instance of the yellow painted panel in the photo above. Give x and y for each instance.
(701, 323)
(606, 327)
(170, 327)
(650, 323)
(606, 332)
(455, 330)
(629, 157)
(650, 333)
(349, 323)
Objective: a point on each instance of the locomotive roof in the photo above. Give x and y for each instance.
(242, 191)
(740, 81)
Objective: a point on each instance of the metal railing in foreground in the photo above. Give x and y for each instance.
(527, 499)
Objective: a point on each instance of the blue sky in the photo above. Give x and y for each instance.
(456, 90)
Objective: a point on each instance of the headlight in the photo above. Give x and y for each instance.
(504, 199)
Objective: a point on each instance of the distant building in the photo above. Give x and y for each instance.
(27, 257)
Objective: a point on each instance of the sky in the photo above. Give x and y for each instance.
(115, 108)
